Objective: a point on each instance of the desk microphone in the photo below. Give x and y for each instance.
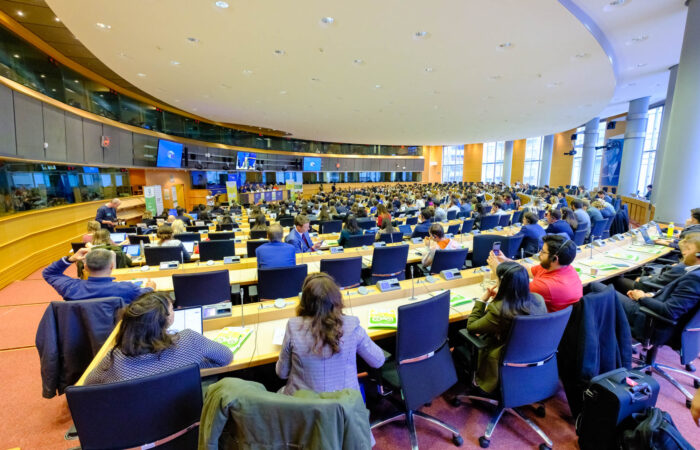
(413, 287)
(242, 318)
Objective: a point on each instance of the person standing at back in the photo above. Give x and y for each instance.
(107, 214)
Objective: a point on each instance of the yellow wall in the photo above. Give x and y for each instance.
(473, 155)
(432, 167)
(518, 166)
(561, 164)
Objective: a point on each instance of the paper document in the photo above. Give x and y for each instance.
(278, 336)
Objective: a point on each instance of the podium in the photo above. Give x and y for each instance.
(257, 197)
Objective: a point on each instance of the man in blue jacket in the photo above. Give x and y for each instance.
(556, 225)
(107, 214)
(532, 233)
(423, 228)
(100, 263)
(299, 237)
(275, 253)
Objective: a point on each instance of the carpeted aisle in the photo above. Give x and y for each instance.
(19, 325)
(26, 292)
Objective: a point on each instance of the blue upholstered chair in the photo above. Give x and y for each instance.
(347, 272)
(467, 226)
(222, 236)
(389, 262)
(281, 282)
(216, 250)
(391, 238)
(489, 222)
(448, 259)
(360, 240)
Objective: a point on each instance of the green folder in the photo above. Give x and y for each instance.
(458, 299)
(385, 319)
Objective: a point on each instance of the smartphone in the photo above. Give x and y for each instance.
(496, 248)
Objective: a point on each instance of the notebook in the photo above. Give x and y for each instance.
(385, 319)
(233, 337)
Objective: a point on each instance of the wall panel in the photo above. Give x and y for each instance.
(561, 164)
(518, 164)
(126, 148)
(473, 156)
(92, 134)
(55, 133)
(29, 127)
(74, 139)
(8, 145)
(110, 155)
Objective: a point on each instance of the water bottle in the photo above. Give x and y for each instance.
(669, 232)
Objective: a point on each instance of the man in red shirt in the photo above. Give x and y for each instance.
(554, 278)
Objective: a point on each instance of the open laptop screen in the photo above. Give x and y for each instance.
(190, 318)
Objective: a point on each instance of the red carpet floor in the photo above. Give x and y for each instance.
(30, 421)
(27, 292)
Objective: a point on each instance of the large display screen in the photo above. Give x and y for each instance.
(245, 161)
(169, 154)
(312, 164)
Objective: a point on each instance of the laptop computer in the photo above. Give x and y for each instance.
(194, 215)
(189, 246)
(134, 250)
(645, 234)
(117, 237)
(187, 318)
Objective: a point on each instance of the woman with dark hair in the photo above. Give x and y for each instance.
(567, 214)
(144, 346)
(493, 315)
(320, 344)
(260, 223)
(351, 228)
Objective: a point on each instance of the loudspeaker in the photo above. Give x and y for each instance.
(611, 125)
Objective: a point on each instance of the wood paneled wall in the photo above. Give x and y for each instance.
(432, 163)
(33, 239)
(518, 164)
(561, 164)
(473, 156)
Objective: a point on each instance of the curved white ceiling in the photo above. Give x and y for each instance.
(453, 86)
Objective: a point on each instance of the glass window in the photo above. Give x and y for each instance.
(651, 142)
(452, 163)
(492, 164)
(533, 160)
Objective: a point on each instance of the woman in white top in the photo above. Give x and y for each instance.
(436, 240)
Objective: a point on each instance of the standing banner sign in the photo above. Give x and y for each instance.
(231, 191)
(153, 196)
(295, 189)
(256, 197)
(611, 162)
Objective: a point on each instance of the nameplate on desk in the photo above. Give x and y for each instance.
(449, 235)
(222, 309)
(498, 228)
(237, 230)
(337, 250)
(599, 243)
(517, 224)
(391, 284)
(417, 240)
(451, 274)
(379, 244)
(618, 237)
(475, 232)
(165, 265)
(232, 259)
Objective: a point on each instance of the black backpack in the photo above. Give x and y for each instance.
(654, 431)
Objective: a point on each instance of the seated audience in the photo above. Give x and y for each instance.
(497, 208)
(320, 344)
(275, 253)
(143, 345)
(554, 278)
(92, 227)
(692, 225)
(532, 233)
(165, 239)
(567, 215)
(178, 227)
(593, 212)
(387, 228)
(260, 223)
(436, 240)
(184, 217)
(102, 239)
(100, 263)
(556, 225)
(493, 315)
(425, 219)
(299, 235)
(382, 215)
(582, 218)
(350, 228)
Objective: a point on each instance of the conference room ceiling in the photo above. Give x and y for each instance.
(391, 72)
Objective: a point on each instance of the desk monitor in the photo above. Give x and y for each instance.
(189, 246)
(172, 212)
(194, 215)
(187, 318)
(134, 251)
(117, 237)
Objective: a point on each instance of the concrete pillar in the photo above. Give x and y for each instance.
(680, 191)
(663, 132)
(634, 144)
(546, 166)
(507, 162)
(590, 136)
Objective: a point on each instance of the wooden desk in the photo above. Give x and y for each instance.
(259, 349)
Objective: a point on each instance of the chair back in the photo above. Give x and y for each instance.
(452, 215)
(147, 409)
(389, 262)
(517, 217)
(483, 243)
(252, 245)
(467, 226)
(510, 246)
(188, 237)
(220, 236)
(453, 229)
(77, 246)
(690, 339)
(608, 224)
(331, 226)
(423, 358)
(202, 288)
(216, 250)
(224, 227)
(528, 368)
(347, 272)
(597, 228)
(366, 224)
(580, 236)
(197, 228)
(127, 230)
(391, 238)
(541, 213)
(281, 282)
(287, 222)
(504, 220)
(137, 239)
(489, 222)
(157, 255)
(359, 240)
(448, 259)
(258, 234)
(412, 220)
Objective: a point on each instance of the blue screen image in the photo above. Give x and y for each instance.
(312, 164)
(245, 161)
(169, 154)
(91, 170)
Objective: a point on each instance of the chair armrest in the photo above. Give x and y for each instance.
(652, 315)
(473, 340)
(656, 286)
(665, 261)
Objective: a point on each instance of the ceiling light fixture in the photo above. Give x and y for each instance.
(247, 72)
(505, 45)
(428, 69)
(581, 55)
(42, 75)
(192, 40)
(640, 38)
(617, 3)
(221, 4)
(103, 26)
(315, 79)
(279, 52)
(175, 63)
(76, 81)
(641, 65)
(141, 74)
(420, 34)
(16, 55)
(377, 86)
(283, 92)
(494, 77)
(358, 61)
(56, 19)
(20, 13)
(328, 20)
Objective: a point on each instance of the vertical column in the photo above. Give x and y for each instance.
(680, 191)
(633, 146)
(663, 132)
(546, 166)
(590, 136)
(507, 162)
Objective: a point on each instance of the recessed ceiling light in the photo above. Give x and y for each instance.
(617, 3)
(494, 77)
(279, 52)
(53, 90)
(175, 63)
(221, 4)
(42, 75)
(420, 34)
(554, 84)
(16, 55)
(631, 84)
(20, 13)
(76, 81)
(640, 38)
(505, 45)
(192, 40)
(377, 86)
(283, 92)
(582, 55)
(141, 74)
(315, 79)
(641, 64)
(247, 72)
(358, 61)
(328, 20)
(428, 69)
(56, 19)
(103, 26)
